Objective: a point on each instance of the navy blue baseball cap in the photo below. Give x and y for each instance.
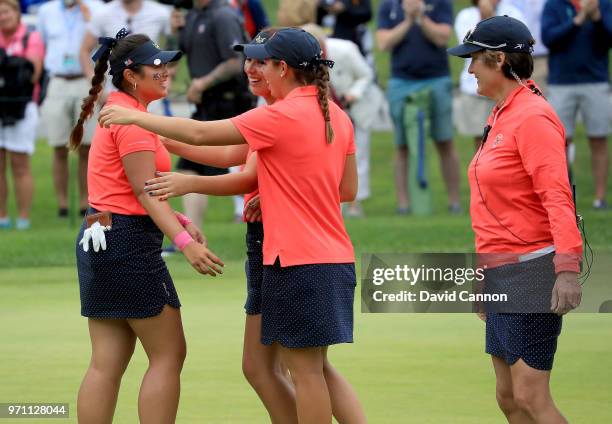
(293, 45)
(500, 33)
(147, 54)
(260, 38)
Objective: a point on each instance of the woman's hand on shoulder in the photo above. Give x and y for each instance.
(168, 184)
(116, 115)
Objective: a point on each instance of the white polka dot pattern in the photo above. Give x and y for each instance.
(307, 305)
(129, 279)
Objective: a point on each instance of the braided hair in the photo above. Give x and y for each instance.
(115, 50)
(318, 75)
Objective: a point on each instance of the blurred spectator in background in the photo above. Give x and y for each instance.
(578, 34)
(346, 19)
(352, 80)
(137, 16)
(293, 13)
(17, 135)
(31, 6)
(416, 32)
(470, 109)
(532, 14)
(254, 15)
(62, 25)
(218, 89)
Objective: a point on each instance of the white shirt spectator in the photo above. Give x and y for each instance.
(153, 19)
(352, 76)
(62, 30)
(467, 20)
(532, 11)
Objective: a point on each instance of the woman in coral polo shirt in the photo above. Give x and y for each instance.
(261, 364)
(126, 290)
(305, 168)
(524, 219)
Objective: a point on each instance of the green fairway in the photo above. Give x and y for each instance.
(406, 368)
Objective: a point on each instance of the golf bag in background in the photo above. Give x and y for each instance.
(16, 87)
(416, 127)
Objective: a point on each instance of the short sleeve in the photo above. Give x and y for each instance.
(228, 31)
(351, 144)
(165, 15)
(130, 139)
(95, 25)
(464, 22)
(41, 25)
(36, 46)
(258, 126)
(384, 16)
(443, 13)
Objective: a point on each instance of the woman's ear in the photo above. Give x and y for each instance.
(501, 59)
(128, 76)
(283, 68)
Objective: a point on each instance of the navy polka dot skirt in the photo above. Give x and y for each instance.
(531, 337)
(253, 267)
(307, 305)
(129, 279)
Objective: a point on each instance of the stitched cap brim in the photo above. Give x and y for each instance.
(164, 56)
(464, 50)
(255, 51)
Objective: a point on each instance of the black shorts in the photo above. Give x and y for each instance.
(307, 305)
(129, 279)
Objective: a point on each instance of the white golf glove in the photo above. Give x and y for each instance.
(95, 233)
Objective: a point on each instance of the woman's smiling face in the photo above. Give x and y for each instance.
(253, 69)
(153, 82)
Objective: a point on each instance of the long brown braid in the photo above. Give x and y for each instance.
(317, 75)
(322, 83)
(87, 107)
(122, 48)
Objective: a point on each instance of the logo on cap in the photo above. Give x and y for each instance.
(259, 39)
(128, 62)
(519, 46)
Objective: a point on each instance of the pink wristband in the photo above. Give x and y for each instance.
(182, 219)
(182, 239)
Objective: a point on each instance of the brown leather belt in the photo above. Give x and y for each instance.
(69, 77)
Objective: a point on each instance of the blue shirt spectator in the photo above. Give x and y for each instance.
(416, 57)
(578, 53)
(62, 29)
